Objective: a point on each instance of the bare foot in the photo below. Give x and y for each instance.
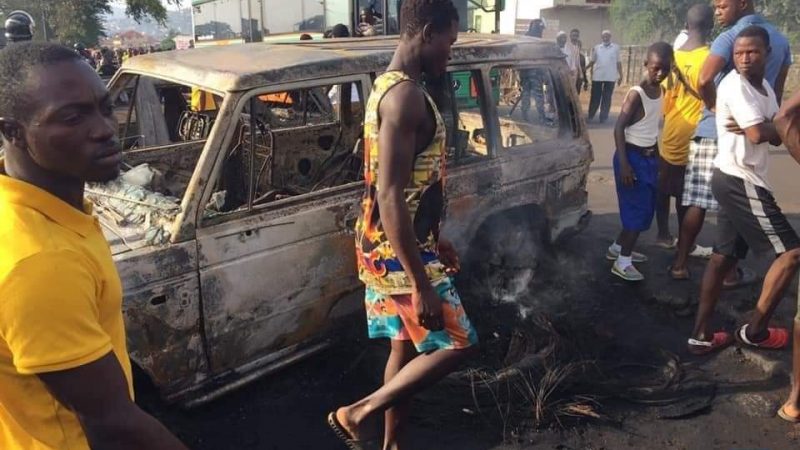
(346, 421)
(353, 425)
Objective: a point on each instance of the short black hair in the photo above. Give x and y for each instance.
(340, 30)
(415, 14)
(700, 17)
(755, 31)
(574, 30)
(662, 50)
(17, 63)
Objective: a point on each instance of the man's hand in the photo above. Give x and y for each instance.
(428, 307)
(626, 174)
(734, 127)
(449, 257)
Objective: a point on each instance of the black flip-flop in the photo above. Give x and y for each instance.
(746, 278)
(341, 433)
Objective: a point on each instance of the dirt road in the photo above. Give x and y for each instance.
(733, 407)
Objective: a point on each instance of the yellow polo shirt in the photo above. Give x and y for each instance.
(682, 110)
(60, 308)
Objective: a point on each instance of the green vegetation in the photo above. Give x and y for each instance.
(646, 21)
(79, 21)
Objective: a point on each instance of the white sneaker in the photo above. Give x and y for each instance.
(629, 273)
(636, 257)
(702, 252)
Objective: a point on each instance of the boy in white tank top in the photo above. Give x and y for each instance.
(636, 161)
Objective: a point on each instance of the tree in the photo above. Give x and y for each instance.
(646, 21)
(80, 21)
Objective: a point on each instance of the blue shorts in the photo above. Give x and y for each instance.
(637, 203)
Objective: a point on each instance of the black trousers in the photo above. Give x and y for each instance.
(602, 92)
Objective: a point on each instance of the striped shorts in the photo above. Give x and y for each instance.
(749, 218)
(697, 183)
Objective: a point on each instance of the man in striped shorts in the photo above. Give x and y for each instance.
(734, 16)
(749, 216)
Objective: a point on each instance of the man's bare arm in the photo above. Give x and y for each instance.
(631, 110)
(763, 132)
(98, 394)
(788, 124)
(708, 89)
(780, 83)
(402, 111)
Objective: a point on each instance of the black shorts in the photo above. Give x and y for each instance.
(671, 179)
(749, 218)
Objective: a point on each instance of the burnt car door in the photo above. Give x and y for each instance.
(275, 248)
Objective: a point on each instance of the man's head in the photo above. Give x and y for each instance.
(659, 62)
(431, 28)
(750, 52)
(340, 30)
(56, 116)
(306, 37)
(605, 36)
(700, 19)
(575, 35)
(536, 28)
(367, 16)
(728, 12)
(561, 39)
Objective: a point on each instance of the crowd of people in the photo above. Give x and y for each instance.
(720, 105)
(66, 375)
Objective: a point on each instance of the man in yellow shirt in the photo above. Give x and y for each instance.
(682, 111)
(65, 376)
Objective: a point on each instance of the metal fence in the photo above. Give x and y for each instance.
(633, 57)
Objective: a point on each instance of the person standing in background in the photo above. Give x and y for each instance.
(574, 48)
(530, 81)
(606, 68)
(682, 111)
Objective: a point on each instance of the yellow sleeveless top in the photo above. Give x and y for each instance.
(378, 265)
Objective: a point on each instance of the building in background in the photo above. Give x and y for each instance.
(589, 16)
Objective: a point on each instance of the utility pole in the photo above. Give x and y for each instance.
(44, 21)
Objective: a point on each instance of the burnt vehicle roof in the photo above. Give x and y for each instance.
(241, 67)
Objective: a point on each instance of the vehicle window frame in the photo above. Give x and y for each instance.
(293, 201)
(563, 99)
(485, 100)
(118, 83)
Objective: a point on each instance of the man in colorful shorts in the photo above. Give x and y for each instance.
(403, 262)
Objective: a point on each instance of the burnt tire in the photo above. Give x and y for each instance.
(504, 257)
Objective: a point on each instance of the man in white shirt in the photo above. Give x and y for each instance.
(607, 71)
(574, 48)
(749, 217)
(572, 52)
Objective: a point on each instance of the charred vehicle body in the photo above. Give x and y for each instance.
(232, 226)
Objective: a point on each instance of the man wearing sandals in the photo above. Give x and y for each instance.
(735, 15)
(788, 124)
(682, 110)
(749, 217)
(403, 262)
